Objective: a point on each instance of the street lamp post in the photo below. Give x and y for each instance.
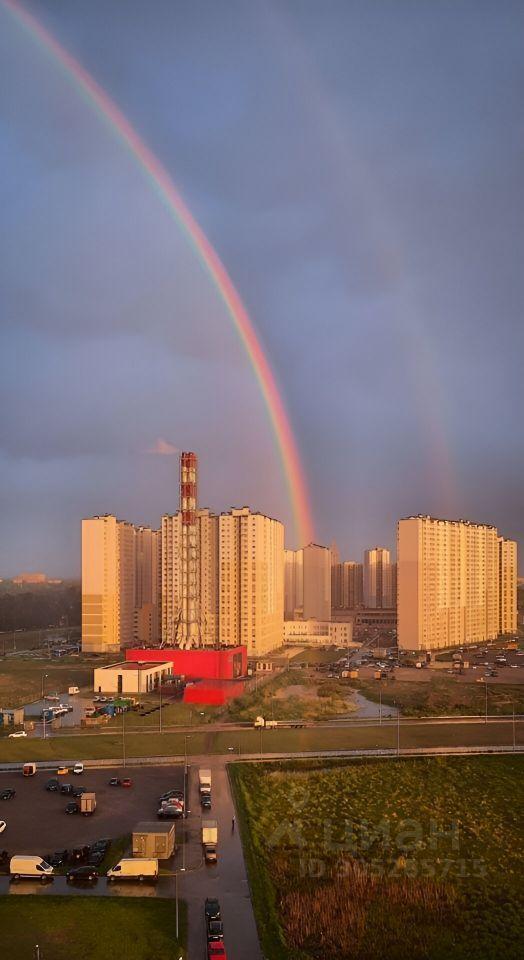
(160, 717)
(486, 711)
(176, 905)
(380, 703)
(514, 730)
(123, 737)
(44, 677)
(398, 730)
(187, 737)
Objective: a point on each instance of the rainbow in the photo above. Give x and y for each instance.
(149, 163)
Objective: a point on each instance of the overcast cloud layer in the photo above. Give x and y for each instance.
(359, 168)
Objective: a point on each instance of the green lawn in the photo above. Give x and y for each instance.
(99, 746)
(21, 679)
(88, 927)
(174, 713)
(369, 859)
(444, 695)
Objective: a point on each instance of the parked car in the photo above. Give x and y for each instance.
(3, 825)
(212, 909)
(96, 857)
(7, 794)
(66, 788)
(62, 771)
(72, 807)
(87, 873)
(17, 733)
(169, 812)
(52, 785)
(103, 844)
(216, 950)
(215, 930)
(115, 782)
(78, 791)
(126, 782)
(78, 768)
(79, 853)
(172, 795)
(56, 859)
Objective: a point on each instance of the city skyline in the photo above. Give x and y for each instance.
(368, 223)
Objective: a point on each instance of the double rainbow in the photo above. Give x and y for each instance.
(157, 174)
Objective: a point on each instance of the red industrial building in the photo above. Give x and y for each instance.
(226, 663)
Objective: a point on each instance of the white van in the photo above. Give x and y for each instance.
(27, 866)
(136, 869)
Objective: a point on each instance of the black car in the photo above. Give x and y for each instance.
(87, 873)
(56, 859)
(170, 813)
(78, 791)
(96, 857)
(53, 785)
(215, 930)
(102, 844)
(212, 909)
(72, 807)
(79, 853)
(205, 802)
(66, 788)
(172, 795)
(7, 794)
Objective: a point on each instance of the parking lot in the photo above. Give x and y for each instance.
(37, 822)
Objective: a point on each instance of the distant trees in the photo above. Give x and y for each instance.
(39, 607)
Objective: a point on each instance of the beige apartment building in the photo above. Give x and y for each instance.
(449, 582)
(108, 584)
(318, 633)
(347, 585)
(377, 579)
(148, 568)
(207, 576)
(507, 586)
(293, 583)
(317, 582)
(251, 590)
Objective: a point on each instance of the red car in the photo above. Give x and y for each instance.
(126, 782)
(216, 950)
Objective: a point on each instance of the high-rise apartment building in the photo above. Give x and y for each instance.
(347, 588)
(377, 578)
(317, 582)
(206, 579)
(507, 586)
(148, 566)
(448, 583)
(251, 589)
(108, 584)
(293, 584)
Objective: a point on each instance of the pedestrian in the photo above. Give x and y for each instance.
(233, 825)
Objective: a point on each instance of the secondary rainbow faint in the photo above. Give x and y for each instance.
(100, 101)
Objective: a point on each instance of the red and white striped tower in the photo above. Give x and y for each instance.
(189, 632)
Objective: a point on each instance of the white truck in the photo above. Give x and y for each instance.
(204, 782)
(210, 840)
(268, 724)
(139, 868)
(29, 867)
(88, 804)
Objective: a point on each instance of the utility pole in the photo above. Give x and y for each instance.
(398, 730)
(160, 718)
(514, 730)
(380, 704)
(176, 905)
(486, 684)
(123, 737)
(44, 677)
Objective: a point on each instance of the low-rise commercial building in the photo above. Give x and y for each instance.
(154, 839)
(318, 632)
(129, 677)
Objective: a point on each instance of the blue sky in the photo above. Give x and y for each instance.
(358, 167)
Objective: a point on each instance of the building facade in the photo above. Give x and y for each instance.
(448, 583)
(293, 583)
(317, 582)
(148, 569)
(377, 578)
(318, 633)
(108, 584)
(507, 586)
(347, 585)
(251, 586)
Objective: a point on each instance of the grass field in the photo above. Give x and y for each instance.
(101, 746)
(370, 859)
(87, 927)
(444, 695)
(21, 679)
(173, 713)
(292, 695)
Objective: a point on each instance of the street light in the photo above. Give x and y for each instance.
(44, 677)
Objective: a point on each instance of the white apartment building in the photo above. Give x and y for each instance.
(207, 576)
(293, 583)
(251, 590)
(148, 567)
(448, 583)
